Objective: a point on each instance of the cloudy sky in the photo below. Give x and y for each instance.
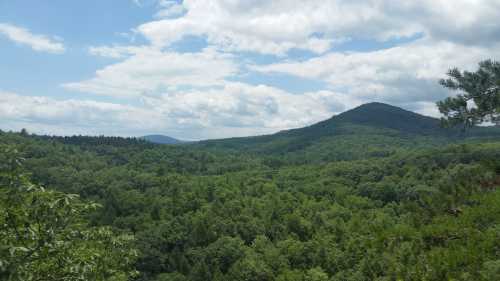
(198, 69)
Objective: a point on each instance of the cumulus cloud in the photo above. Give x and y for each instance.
(242, 105)
(464, 21)
(275, 27)
(37, 42)
(195, 94)
(239, 109)
(399, 75)
(44, 115)
(258, 26)
(148, 70)
(233, 109)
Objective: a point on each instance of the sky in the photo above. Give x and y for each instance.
(204, 69)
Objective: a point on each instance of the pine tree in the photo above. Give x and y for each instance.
(479, 97)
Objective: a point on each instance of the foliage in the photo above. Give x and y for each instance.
(427, 214)
(371, 130)
(482, 88)
(45, 236)
(369, 201)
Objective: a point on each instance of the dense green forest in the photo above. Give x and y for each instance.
(370, 130)
(355, 197)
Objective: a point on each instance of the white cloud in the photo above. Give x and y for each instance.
(238, 109)
(240, 26)
(148, 70)
(37, 42)
(403, 74)
(468, 22)
(193, 95)
(48, 115)
(115, 52)
(234, 109)
(275, 27)
(243, 105)
(169, 9)
(425, 108)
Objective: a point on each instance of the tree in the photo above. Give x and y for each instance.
(479, 97)
(44, 234)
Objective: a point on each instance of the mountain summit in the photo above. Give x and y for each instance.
(381, 115)
(161, 139)
(372, 128)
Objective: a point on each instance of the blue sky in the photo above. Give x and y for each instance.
(79, 24)
(198, 69)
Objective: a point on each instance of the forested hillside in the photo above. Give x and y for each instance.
(370, 130)
(250, 140)
(161, 139)
(374, 200)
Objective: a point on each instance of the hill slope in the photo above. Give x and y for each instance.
(161, 139)
(374, 115)
(391, 117)
(196, 215)
(370, 129)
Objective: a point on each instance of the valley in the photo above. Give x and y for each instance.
(376, 193)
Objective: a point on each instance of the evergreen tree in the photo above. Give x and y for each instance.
(479, 97)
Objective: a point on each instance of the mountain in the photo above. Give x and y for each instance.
(382, 115)
(161, 139)
(373, 115)
(375, 129)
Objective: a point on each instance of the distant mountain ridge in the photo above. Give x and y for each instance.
(376, 115)
(370, 130)
(375, 127)
(161, 139)
(392, 117)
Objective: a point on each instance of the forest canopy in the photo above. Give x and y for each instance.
(197, 213)
(375, 193)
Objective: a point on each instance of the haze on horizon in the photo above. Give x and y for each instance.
(201, 69)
